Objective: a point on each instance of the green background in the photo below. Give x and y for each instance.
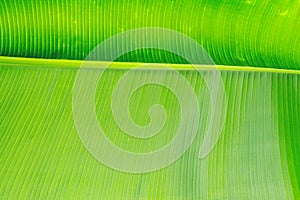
(258, 153)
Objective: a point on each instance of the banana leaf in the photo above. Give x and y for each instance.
(255, 45)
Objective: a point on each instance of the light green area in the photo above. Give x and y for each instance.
(42, 156)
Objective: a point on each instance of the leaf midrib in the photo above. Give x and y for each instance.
(76, 64)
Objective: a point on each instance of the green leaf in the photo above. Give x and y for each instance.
(257, 154)
(237, 32)
(42, 155)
